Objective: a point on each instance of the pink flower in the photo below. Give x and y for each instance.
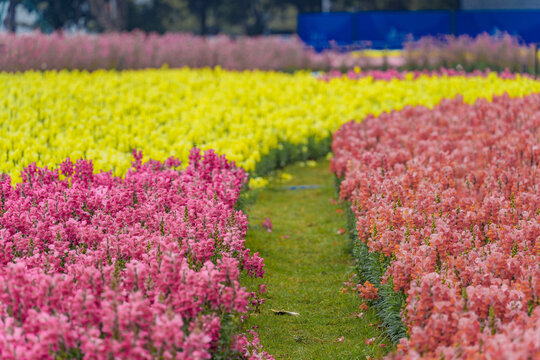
(450, 195)
(124, 268)
(267, 224)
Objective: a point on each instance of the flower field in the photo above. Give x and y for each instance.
(260, 120)
(141, 267)
(497, 52)
(448, 199)
(137, 50)
(106, 256)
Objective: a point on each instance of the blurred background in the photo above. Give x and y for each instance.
(205, 17)
(284, 35)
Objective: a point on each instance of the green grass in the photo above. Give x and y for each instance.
(306, 264)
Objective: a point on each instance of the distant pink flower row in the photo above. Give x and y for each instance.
(398, 74)
(137, 50)
(452, 195)
(137, 268)
(499, 51)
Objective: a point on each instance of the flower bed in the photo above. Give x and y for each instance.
(497, 52)
(144, 267)
(260, 120)
(448, 198)
(136, 50)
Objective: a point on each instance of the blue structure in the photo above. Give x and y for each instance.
(389, 29)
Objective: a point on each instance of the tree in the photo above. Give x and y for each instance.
(10, 22)
(152, 16)
(258, 10)
(253, 15)
(59, 14)
(111, 15)
(96, 15)
(305, 5)
(201, 8)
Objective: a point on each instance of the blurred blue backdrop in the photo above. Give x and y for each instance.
(389, 29)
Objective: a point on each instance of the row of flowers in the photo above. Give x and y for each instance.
(147, 266)
(137, 50)
(260, 120)
(448, 198)
(498, 52)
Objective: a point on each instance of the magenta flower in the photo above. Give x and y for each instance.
(267, 224)
(141, 267)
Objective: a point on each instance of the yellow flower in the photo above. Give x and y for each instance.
(257, 183)
(46, 117)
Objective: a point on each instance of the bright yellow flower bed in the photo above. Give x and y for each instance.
(46, 117)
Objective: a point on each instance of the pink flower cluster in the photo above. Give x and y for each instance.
(499, 52)
(452, 196)
(367, 291)
(144, 267)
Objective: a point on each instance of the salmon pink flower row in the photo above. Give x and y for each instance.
(452, 196)
(94, 266)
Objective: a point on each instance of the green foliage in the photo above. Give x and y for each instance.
(229, 327)
(288, 153)
(68, 354)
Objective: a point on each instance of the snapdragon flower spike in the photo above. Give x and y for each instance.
(142, 267)
(451, 195)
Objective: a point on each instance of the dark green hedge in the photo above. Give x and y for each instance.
(289, 153)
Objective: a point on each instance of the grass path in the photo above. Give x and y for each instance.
(307, 262)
